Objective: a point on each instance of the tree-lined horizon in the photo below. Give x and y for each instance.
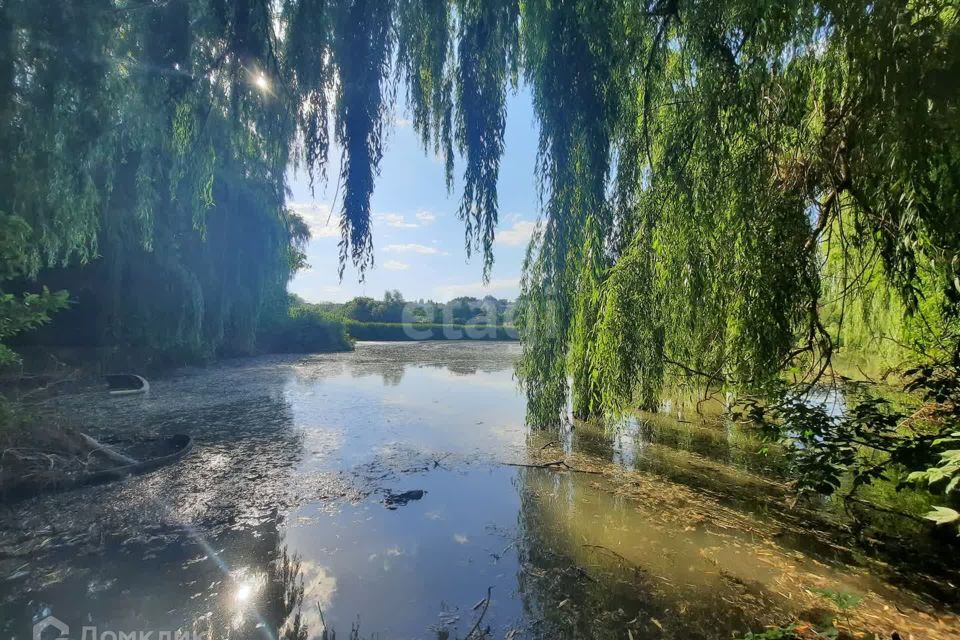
(730, 189)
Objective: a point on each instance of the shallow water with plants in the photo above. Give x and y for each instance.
(395, 492)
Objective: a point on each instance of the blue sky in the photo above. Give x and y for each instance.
(417, 238)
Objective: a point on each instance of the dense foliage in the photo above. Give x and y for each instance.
(751, 141)
(144, 165)
(394, 309)
(394, 318)
(30, 310)
(915, 442)
(295, 326)
(719, 179)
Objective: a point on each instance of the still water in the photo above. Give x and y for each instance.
(376, 494)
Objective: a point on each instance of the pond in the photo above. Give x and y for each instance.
(394, 492)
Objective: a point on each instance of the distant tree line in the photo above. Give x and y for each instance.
(393, 308)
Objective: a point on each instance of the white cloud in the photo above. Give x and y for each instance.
(318, 217)
(395, 265)
(323, 224)
(518, 235)
(426, 217)
(413, 247)
(503, 286)
(394, 220)
(320, 585)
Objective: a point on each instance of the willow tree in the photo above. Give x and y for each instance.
(52, 108)
(745, 131)
(707, 169)
(146, 151)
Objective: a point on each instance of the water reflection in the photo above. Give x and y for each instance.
(284, 521)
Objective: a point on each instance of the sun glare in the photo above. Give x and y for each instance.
(262, 82)
(244, 591)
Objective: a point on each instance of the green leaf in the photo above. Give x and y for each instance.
(952, 485)
(942, 515)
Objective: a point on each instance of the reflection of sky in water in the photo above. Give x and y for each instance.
(828, 397)
(348, 415)
(199, 541)
(396, 570)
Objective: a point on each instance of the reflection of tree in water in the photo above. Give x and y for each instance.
(461, 357)
(594, 439)
(293, 601)
(391, 372)
(391, 360)
(575, 582)
(294, 607)
(562, 598)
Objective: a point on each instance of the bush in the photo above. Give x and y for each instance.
(304, 329)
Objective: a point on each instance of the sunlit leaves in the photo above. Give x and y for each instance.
(307, 57)
(943, 515)
(742, 132)
(425, 56)
(697, 161)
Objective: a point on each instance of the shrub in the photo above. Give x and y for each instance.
(304, 329)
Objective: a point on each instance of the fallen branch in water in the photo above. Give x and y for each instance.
(611, 552)
(556, 464)
(476, 625)
(107, 451)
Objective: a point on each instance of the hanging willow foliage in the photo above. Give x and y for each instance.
(746, 129)
(569, 55)
(706, 168)
(144, 153)
(307, 43)
(425, 57)
(486, 57)
(362, 48)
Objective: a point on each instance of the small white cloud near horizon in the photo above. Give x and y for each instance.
(395, 265)
(412, 247)
(395, 220)
(508, 286)
(318, 217)
(518, 235)
(426, 217)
